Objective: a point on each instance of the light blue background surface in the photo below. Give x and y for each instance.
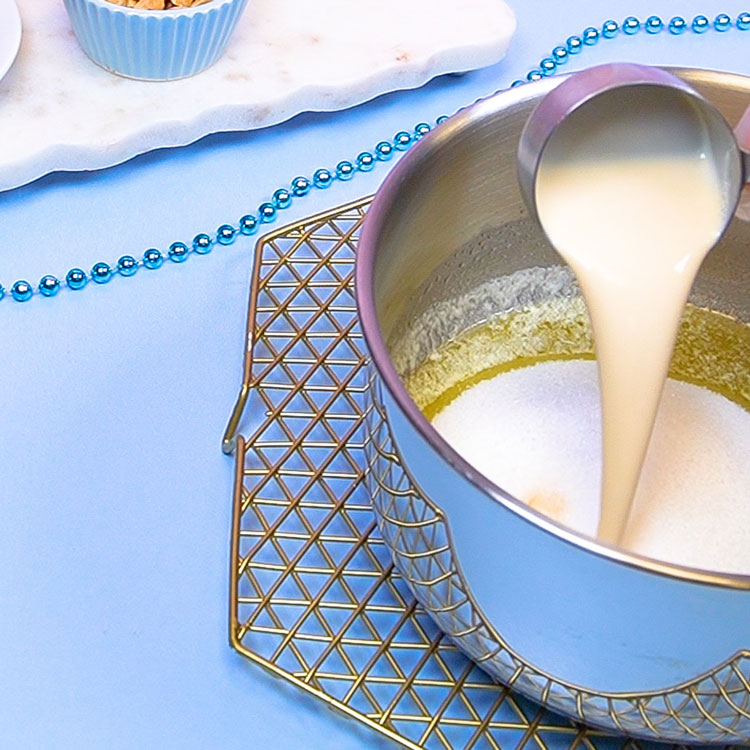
(115, 510)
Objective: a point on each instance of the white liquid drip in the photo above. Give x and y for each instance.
(633, 203)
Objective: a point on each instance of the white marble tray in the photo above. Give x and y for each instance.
(62, 112)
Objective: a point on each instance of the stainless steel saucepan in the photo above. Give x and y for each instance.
(602, 635)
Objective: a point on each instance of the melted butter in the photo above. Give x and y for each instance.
(712, 350)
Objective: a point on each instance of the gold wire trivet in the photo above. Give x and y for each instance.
(314, 597)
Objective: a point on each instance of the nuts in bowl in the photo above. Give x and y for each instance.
(158, 4)
(154, 40)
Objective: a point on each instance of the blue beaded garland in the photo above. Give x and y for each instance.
(301, 186)
(202, 243)
(590, 36)
(322, 178)
(722, 22)
(152, 258)
(178, 252)
(402, 140)
(677, 25)
(101, 273)
(548, 66)
(226, 234)
(574, 44)
(49, 286)
(266, 212)
(610, 29)
(365, 161)
(700, 24)
(631, 25)
(21, 291)
(421, 129)
(344, 170)
(127, 265)
(76, 279)
(383, 151)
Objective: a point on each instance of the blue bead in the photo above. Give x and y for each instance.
(322, 178)
(248, 224)
(76, 278)
(700, 24)
(560, 54)
(101, 273)
(49, 286)
(610, 29)
(365, 161)
(345, 170)
(301, 186)
(267, 213)
(127, 265)
(677, 25)
(654, 24)
(421, 129)
(743, 21)
(383, 151)
(547, 66)
(534, 75)
(440, 120)
(178, 252)
(2, 291)
(282, 198)
(153, 258)
(722, 22)
(517, 83)
(402, 140)
(574, 44)
(631, 25)
(202, 243)
(21, 291)
(590, 35)
(226, 234)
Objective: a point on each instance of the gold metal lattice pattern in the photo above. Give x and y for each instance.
(314, 595)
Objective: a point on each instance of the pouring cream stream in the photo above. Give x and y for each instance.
(633, 202)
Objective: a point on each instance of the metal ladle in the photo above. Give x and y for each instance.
(592, 93)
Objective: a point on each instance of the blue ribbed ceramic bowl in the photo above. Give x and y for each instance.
(154, 45)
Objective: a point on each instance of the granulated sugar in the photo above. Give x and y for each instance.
(536, 432)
